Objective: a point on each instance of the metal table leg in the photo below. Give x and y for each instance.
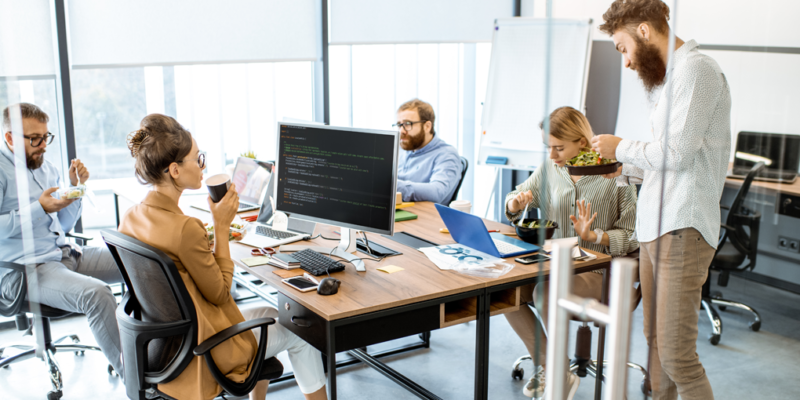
(482, 347)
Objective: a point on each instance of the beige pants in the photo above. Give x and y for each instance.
(673, 276)
(525, 323)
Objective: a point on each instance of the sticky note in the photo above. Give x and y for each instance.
(254, 261)
(390, 269)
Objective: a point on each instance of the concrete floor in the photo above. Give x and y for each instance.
(746, 364)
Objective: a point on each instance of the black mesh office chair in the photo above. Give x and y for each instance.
(158, 330)
(18, 307)
(464, 166)
(738, 242)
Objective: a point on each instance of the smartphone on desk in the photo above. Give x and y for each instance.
(533, 258)
(304, 283)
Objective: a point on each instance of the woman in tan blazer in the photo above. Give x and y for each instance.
(167, 157)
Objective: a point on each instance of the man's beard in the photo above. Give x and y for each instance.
(34, 163)
(649, 65)
(414, 142)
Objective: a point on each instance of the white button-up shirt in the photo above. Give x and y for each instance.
(684, 167)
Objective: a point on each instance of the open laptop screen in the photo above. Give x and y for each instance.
(779, 152)
(250, 177)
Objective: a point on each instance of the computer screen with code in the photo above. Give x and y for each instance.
(344, 177)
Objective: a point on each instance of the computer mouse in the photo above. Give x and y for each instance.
(328, 286)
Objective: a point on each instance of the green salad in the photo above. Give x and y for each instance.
(537, 224)
(588, 157)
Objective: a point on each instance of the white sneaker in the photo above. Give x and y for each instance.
(573, 381)
(535, 386)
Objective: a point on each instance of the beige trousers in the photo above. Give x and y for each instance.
(672, 270)
(525, 323)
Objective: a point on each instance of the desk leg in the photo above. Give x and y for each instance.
(601, 341)
(331, 357)
(482, 348)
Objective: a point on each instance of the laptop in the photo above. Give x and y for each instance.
(250, 177)
(780, 153)
(261, 234)
(469, 230)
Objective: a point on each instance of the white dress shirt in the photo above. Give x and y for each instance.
(684, 167)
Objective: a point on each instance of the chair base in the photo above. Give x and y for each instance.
(48, 356)
(716, 321)
(517, 372)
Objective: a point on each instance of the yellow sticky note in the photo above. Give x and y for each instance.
(390, 269)
(255, 261)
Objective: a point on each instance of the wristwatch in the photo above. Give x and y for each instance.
(599, 232)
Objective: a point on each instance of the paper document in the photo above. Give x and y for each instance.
(448, 256)
(577, 253)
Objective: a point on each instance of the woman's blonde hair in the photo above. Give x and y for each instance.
(569, 124)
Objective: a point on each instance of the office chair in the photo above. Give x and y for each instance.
(464, 166)
(18, 307)
(158, 330)
(583, 364)
(735, 245)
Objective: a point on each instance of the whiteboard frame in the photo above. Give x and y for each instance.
(516, 158)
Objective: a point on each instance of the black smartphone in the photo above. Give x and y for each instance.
(532, 258)
(300, 283)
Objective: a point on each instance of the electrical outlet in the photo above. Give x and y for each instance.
(794, 245)
(783, 243)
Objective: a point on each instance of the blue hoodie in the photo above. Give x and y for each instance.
(430, 173)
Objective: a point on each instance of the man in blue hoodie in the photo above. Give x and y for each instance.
(428, 169)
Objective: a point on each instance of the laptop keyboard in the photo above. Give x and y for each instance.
(243, 205)
(505, 247)
(271, 233)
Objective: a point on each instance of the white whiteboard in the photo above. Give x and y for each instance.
(515, 101)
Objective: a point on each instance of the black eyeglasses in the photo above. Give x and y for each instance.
(36, 141)
(406, 124)
(201, 161)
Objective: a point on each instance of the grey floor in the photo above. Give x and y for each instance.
(746, 364)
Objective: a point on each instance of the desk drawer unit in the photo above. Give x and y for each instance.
(358, 331)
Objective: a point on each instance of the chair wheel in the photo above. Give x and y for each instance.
(517, 374)
(111, 371)
(54, 395)
(722, 308)
(79, 353)
(755, 326)
(75, 339)
(714, 339)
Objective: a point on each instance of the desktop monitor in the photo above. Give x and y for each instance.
(339, 176)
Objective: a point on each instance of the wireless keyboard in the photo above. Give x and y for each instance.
(317, 264)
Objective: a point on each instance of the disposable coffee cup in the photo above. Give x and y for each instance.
(218, 186)
(461, 205)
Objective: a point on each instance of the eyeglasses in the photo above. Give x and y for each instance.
(201, 161)
(407, 125)
(263, 251)
(36, 141)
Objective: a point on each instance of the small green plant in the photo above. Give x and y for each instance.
(249, 154)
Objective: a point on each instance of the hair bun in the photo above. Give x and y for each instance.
(135, 140)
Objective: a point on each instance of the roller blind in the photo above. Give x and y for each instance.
(155, 32)
(26, 41)
(415, 21)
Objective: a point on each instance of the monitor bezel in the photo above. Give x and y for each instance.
(326, 221)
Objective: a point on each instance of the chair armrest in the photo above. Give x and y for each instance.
(12, 266)
(13, 307)
(230, 332)
(83, 239)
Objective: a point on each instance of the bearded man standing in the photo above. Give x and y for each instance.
(683, 173)
(428, 168)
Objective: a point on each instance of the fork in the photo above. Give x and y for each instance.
(524, 215)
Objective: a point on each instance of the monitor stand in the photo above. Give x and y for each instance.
(347, 245)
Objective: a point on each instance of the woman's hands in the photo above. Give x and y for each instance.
(519, 202)
(224, 212)
(583, 222)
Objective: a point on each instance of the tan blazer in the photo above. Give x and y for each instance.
(159, 222)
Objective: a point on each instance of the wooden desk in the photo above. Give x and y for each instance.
(373, 307)
(771, 188)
